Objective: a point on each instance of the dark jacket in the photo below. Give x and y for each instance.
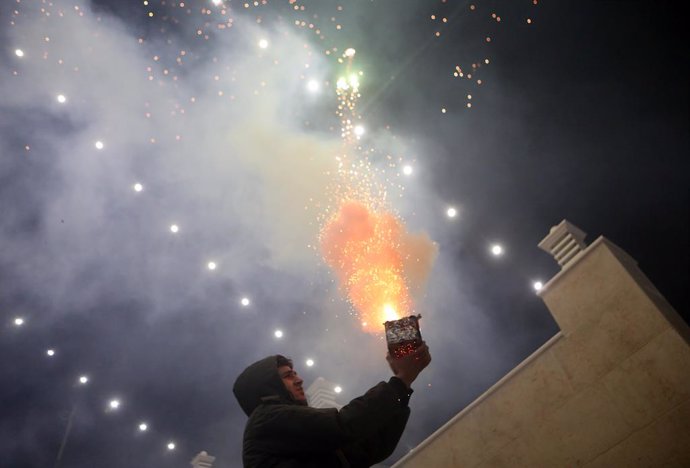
(283, 433)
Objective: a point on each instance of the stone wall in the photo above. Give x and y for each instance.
(612, 389)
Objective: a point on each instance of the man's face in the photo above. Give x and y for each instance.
(292, 382)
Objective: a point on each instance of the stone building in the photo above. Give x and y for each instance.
(611, 389)
(321, 394)
(202, 460)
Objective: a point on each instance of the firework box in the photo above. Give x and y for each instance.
(403, 335)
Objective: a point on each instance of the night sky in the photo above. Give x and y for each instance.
(573, 110)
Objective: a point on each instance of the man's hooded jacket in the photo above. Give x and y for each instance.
(282, 432)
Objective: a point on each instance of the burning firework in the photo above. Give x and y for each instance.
(379, 265)
(376, 261)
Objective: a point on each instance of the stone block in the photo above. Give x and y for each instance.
(599, 284)
(438, 453)
(527, 451)
(627, 321)
(653, 380)
(584, 427)
(664, 443)
(592, 278)
(523, 401)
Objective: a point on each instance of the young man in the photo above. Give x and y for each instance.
(283, 431)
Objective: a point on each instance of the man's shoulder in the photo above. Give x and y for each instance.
(282, 407)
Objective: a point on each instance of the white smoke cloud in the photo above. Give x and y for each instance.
(236, 172)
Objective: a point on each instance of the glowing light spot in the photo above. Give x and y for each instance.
(83, 380)
(211, 266)
(99, 145)
(18, 321)
(350, 52)
(537, 285)
(354, 81)
(497, 250)
(407, 170)
(138, 187)
(389, 313)
(451, 212)
(278, 333)
(310, 362)
(114, 404)
(143, 427)
(337, 389)
(61, 98)
(263, 43)
(19, 52)
(174, 228)
(313, 86)
(217, 2)
(443, 110)
(245, 302)
(342, 83)
(171, 445)
(359, 130)
(50, 352)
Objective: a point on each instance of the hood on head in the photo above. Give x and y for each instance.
(260, 382)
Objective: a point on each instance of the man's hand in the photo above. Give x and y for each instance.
(407, 368)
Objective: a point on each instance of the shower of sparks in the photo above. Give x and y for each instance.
(362, 240)
(364, 248)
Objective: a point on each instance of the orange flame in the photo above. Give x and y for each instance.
(370, 253)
